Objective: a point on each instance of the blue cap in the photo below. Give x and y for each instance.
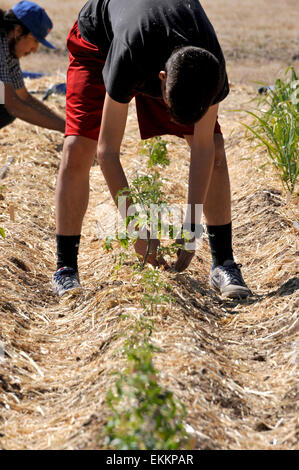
(35, 19)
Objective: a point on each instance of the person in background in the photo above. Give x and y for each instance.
(22, 29)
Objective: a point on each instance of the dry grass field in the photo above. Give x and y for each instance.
(259, 37)
(234, 364)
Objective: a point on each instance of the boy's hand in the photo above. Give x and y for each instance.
(184, 256)
(141, 249)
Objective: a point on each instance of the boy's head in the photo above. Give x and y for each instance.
(27, 25)
(190, 83)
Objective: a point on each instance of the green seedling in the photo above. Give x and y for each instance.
(156, 150)
(276, 127)
(154, 288)
(148, 200)
(144, 416)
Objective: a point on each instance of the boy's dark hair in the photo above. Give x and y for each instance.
(8, 21)
(193, 76)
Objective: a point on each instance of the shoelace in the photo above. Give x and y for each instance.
(66, 278)
(233, 273)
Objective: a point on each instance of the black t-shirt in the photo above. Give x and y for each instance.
(138, 37)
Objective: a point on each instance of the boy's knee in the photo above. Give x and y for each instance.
(73, 146)
(77, 157)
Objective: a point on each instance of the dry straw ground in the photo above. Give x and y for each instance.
(233, 364)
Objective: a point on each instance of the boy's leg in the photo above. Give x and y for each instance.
(72, 190)
(217, 208)
(84, 104)
(154, 120)
(72, 193)
(226, 275)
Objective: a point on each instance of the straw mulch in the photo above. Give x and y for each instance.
(234, 364)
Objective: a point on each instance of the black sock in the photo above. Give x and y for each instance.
(220, 238)
(67, 250)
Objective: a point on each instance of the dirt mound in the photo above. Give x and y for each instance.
(233, 363)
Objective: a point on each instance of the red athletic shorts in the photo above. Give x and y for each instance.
(86, 93)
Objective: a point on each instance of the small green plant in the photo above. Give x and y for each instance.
(154, 286)
(2, 233)
(144, 416)
(148, 199)
(156, 150)
(277, 128)
(146, 196)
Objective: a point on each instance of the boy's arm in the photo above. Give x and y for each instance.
(20, 104)
(202, 158)
(113, 125)
(108, 152)
(200, 172)
(39, 106)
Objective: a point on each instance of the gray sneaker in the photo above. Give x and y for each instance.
(65, 279)
(228, 280)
